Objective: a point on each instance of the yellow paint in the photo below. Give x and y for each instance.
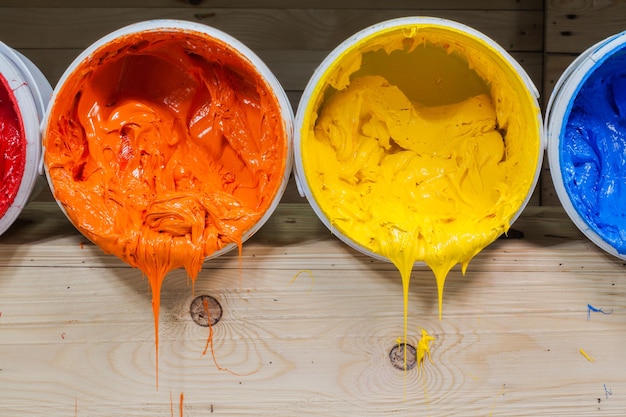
(307, 271)
(423, 348)
(586, 355)
(421, 144)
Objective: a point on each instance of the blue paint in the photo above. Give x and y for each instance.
(591, 308)
(593, 150)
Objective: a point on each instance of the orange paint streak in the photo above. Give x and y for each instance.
(182, 397)
(209, 345)
(163, 148)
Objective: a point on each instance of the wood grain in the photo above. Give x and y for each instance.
(54, 27)
(554, 66)
(573, 26)
(77, 328)
(286, 4)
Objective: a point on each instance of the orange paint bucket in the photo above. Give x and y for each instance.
(167, 143)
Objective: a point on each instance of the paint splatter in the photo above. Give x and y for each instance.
(593, 309)
(304, 271)
(423, 348)
(586, 355)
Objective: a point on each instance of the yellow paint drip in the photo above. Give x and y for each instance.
(586, 355)
(423, 348)
(420, 144)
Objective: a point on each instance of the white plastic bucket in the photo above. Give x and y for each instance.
(561, 122)
(31, 92)
(211, 35)
(367, 40)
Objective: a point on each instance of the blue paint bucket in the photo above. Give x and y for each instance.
(586, 132)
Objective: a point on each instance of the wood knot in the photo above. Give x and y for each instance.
(205, 311)
(401, 361)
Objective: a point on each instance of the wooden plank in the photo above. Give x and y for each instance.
(77, 339)
(286, 4)
(258, 28)
(555, 65)
(574, 26)
(294, 236)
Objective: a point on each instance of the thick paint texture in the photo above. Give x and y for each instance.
(12, 147)
(421, 145)
(593, 151)
(163, 148)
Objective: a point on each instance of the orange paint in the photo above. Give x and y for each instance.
(182, 397)
(209, 344)
(164, 147)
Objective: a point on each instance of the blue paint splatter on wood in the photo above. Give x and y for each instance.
(593, 309)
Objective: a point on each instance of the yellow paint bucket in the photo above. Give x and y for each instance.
(394, 135)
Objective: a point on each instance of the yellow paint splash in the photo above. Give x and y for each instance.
(586, 355)
(423, 349)
(304, 271)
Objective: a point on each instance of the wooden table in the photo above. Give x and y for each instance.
(77, 335)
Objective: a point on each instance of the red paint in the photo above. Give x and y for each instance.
(12, 147)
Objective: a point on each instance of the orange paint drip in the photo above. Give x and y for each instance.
(163, 148)
(209, 344)
(182, 397)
